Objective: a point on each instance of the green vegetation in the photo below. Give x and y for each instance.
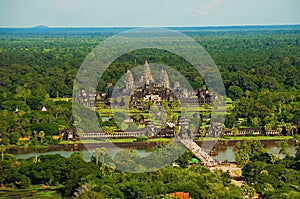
(266, 174)
(35, 192)
(142, 138)
(115, 140)
(239, 138)
(256, 138)
(76, 177)
(259, 69)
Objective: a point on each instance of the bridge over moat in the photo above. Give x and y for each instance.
(198, 152)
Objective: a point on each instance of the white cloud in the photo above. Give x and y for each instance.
(208, 7)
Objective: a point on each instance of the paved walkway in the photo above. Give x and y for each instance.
(198, 152)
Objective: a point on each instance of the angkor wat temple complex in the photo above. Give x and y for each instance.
(146, 88)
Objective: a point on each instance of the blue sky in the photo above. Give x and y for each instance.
(99, 13)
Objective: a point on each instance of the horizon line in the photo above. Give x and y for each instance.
(152, 26)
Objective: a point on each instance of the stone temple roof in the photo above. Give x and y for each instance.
(146, 76)
(129, 81)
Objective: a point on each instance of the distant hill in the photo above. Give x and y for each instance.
(40, 27)
(109, 31)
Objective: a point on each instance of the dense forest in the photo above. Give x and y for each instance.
(269, 175)
(75, 176)
(259, 67)
(265, 174)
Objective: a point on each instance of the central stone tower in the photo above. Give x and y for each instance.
(146, 77)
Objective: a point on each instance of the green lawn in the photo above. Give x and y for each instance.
(206, 138)
(169, 139)
(114, 140)
(61, 99)
(80, 141)
(123, 140)
(35, 192)
(133, 139)
(257, 138)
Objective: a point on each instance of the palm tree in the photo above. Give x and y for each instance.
(202, 131)
(99, 152)
(288, 128)
(79, 132)
(36, 159)
(42, 135)
(255, 122)
(268, 128)
(234, 131)
(274, 158)
(2, 149)
(57, 110)
(284, 148)
(279, 129)
(111, 168)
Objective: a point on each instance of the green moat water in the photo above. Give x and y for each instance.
(223, 154)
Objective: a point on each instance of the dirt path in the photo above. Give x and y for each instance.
(233, 172)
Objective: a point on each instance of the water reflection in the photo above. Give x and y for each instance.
(228, 153)
(222, 151)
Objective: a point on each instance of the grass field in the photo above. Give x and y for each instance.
(257, 138)
(232, 138)
(114, 140)
(35, 192)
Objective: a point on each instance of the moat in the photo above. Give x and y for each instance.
(221, 151)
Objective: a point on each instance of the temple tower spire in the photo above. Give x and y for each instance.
(164, 79)
(129, 81)
(146, 76)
